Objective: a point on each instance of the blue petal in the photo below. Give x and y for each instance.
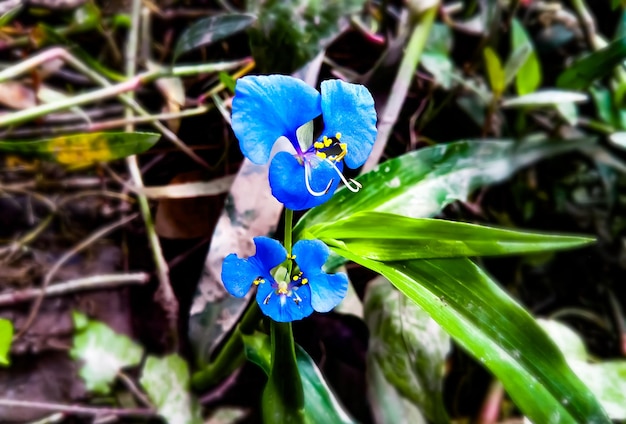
(239, 274)
(349, 109)
(327, 290)
(284, 308)
(286, 176)
(269, 253)
(310, 255)
(268, 107)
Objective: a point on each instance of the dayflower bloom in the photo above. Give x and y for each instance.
(282, 295)
(266, 108)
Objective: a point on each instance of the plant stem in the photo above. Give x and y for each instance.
(288, 229)
(283, 397)
(401, 84)
(165, 294)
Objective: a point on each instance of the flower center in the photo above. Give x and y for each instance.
(331, 148)
(283, 286)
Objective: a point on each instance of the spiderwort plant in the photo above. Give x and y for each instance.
(290, 281)
(298, 285)
(268, 108)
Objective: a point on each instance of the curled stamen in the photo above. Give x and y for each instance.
(357, 185)
(307, 176)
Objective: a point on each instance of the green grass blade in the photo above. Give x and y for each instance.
(497, 331)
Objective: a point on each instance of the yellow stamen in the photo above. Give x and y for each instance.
(327, 141)
(258, 280)
(305, 281)
(318, 145)
(320, 155)
(296, 277)
(292, 257)
(338, 136)
(283, 288)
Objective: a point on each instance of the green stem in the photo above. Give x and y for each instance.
(401, 84)
(231, 356)
(288, 229)
(99, 94)
(283, 397)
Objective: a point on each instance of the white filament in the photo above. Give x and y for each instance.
(357, 185)
(307, 175)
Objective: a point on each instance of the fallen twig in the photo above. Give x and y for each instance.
(78, 409)
(73, 251)
(95, 282)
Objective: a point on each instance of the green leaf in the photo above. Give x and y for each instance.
(387, 404)
(87, 16)
(603, 101)
(102, 351)
(228, 81)
(408, 347)
(387, 237)
(528, 75)
(320, 404)
(9, 15)
(290, 33)
(583, 72)
(607, 380)
(46, 35)
(209, 30)
(6, 337)
(166, 380)
(84, 149)
(436, 56)
(495, 72)
(546, 98)
(419, 184)
(569, 112)
(493, 328)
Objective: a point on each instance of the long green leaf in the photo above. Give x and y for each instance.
(406, 351)
(6, 336)
(528, 75)
(606, 379)
(497, 331)
(209, 30)
(419, 184)
(387, 237)
(320, 404)
(495, 71)
(289, 33)
(84, 149)
(583, 72)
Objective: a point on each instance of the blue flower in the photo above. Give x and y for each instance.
(283, 295)
(267, 108)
